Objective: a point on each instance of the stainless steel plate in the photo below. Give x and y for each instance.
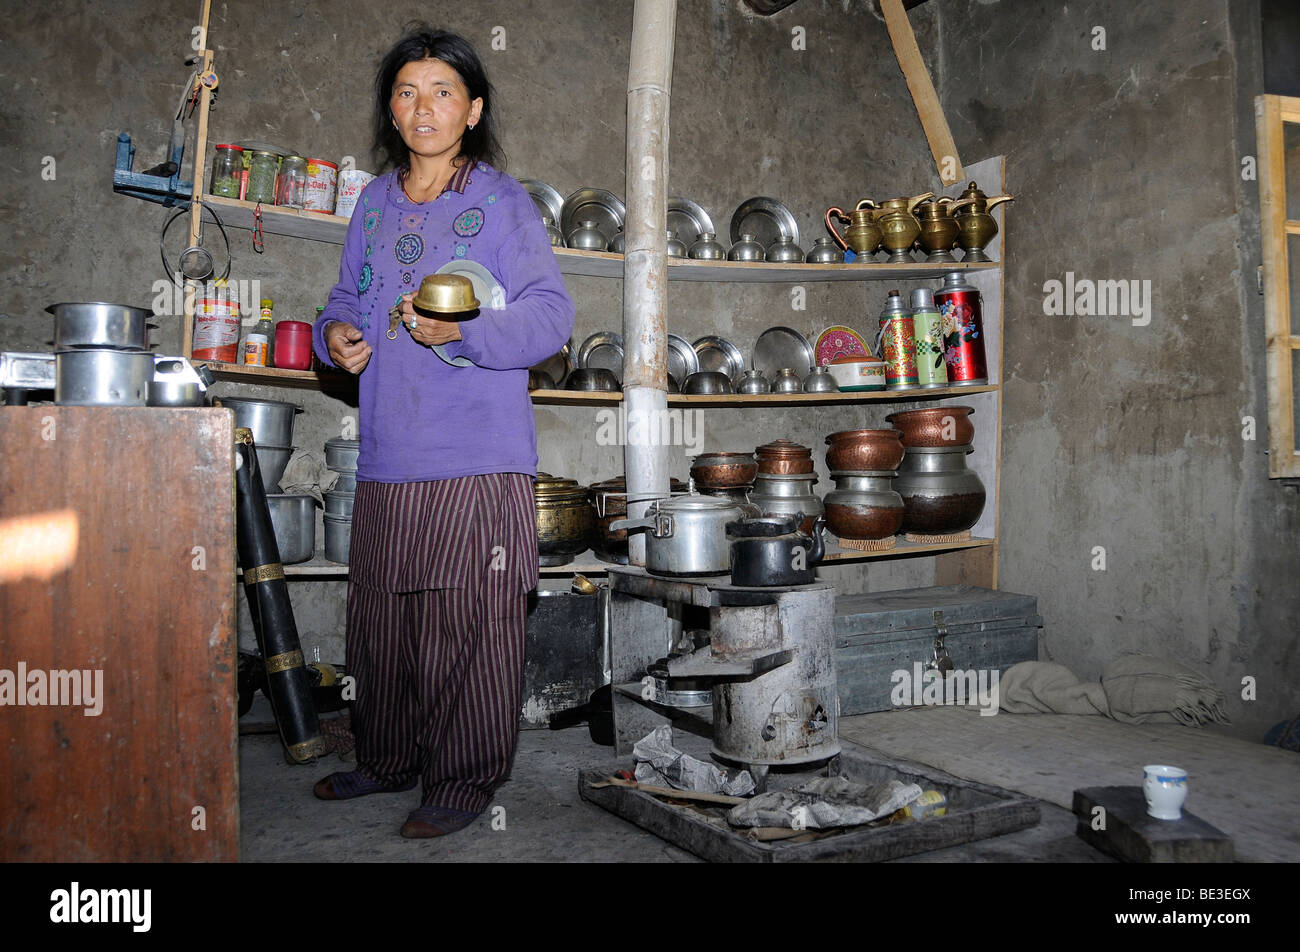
(779, 347)
(721, 355)
(603, 349)
(558, 365)
(688, 220)
(593, 204)
(682, 361)
(764, 218)
(548, 201)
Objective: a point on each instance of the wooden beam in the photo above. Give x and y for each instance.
(1282, 460)
(924, 97)
(200, 158)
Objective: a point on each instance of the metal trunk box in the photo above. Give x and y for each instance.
(563, 655)
(882, 637)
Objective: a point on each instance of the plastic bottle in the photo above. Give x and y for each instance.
(257, 345)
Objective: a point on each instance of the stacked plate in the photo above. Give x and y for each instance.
(340, 457)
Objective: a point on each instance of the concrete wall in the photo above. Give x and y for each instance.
(1126, 164)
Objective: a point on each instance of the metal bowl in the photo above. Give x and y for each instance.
(270, 420)
(446, 294)
(598, 379)
(96, 324)
(540, 380)
(706, 382)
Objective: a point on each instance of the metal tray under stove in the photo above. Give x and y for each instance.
(975, 811)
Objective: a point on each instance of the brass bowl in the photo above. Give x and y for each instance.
(446, 294)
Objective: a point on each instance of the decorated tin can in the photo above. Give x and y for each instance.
(351, 182)
(897, 344)
(322, 180)
(927, 331)
(960, 308)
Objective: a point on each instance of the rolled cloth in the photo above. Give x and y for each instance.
(1043, 687)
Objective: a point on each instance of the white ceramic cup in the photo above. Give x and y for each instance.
(1166, 791)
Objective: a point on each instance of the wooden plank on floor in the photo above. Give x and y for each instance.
(1049, 756)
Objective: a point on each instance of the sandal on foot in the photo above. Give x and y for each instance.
(426, 822)
(346, 786)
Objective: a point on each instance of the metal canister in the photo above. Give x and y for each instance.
(927, 331)
(960, 308)
(897, 344)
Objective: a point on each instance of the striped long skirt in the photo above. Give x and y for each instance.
(437, 600)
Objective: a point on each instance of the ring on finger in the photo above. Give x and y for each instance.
(414, 319)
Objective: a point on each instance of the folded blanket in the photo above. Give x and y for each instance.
(1042, 687)
(1146, 690)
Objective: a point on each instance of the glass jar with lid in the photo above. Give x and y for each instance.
(227, 169)
(261, 178)
(291, 185)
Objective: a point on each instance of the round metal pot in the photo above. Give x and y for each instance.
(785, 495)
(857, 450)
(592, 379)
(96, 324)
(935, 426)
(339, 503)
(783, 458)
(864, 506)
(270, 420)
(608, 500)
(753, 381)
(341, 455)
(771, 551)
(565, 521)
(294, 519)
(686, 536)
(102, 378)
(338, 538)
(707, 382)
(723, 470)
(346, 483)
(175, 393)
(787, 381)
(940, 495)
(271, 463)
(739, 496)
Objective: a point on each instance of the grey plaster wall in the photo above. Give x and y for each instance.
(823, 124)
(1126, 164)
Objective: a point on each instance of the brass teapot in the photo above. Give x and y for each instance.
(900, 228)
(938, 228)
(975, 226)
(863, 234)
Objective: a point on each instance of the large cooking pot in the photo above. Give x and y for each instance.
(96, 324)
(864, 505)
(772, 551)
(293, 517)
(102, 378)
(565, 521)
(609, 502)
(785, 494)
(685, 536)
(940, 495)
(270, 420)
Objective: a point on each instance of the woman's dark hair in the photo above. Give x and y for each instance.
(421, 42)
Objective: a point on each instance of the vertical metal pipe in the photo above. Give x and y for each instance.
(646, 457)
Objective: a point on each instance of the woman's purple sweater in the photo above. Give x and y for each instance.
(421, 418)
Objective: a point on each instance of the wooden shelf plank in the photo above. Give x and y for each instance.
(296, 223)
(587, 564)
(584, 398)
(327, 380)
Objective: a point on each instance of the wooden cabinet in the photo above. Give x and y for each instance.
(117, 608)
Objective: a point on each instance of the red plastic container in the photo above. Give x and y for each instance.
(293, 345)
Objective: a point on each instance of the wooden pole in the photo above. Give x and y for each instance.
(924, 97)
(200, 158)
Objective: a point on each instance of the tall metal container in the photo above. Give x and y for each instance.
(897, 344)
(961, 308)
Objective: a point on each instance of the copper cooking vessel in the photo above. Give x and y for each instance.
(864, 450)
(564, 520)
(934, 426)
(782, 457)
(608, 500)
(723, 470)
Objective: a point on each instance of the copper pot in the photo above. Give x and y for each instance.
(782, 457)
(935, 426)
(723, 470)
(861, 450)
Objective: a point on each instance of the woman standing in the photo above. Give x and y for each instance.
(444, 544)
